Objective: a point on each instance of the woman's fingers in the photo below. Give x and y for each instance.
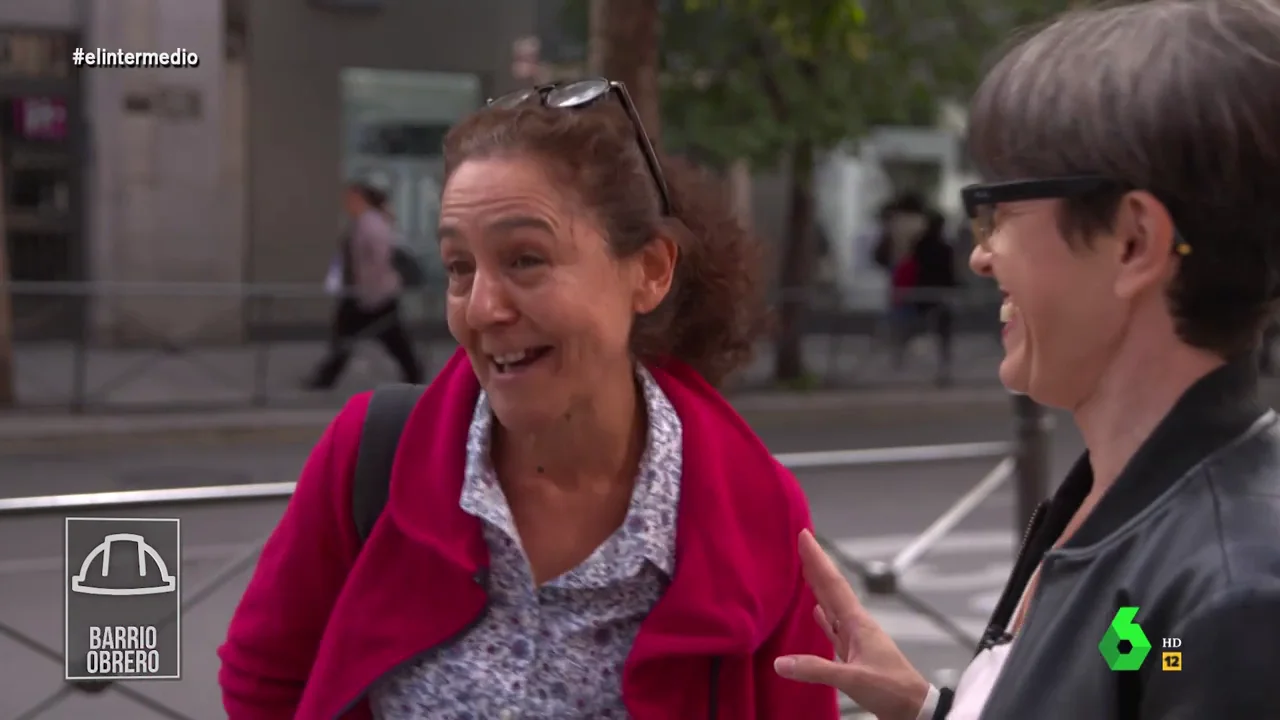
(841, 645)
(820, 617)
(829, 585)
(813, 669)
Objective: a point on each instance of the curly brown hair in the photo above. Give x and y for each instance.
(716, 308)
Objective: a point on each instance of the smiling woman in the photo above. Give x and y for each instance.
(585, 184)
(562, 263)
(578, 525)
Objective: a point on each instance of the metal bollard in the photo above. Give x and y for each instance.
(1031, 457)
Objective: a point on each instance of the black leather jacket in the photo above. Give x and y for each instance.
(1190, 535)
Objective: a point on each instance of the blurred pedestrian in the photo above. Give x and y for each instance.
(1135, 244)
(927, 304)
(578, 525)
(922, 277)
(369, 302)
(901, 223)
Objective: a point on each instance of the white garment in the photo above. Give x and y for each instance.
(978, 680)
(333, 279)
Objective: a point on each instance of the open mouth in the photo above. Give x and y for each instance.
(515, 362)
(1007, 310)
(1008, 314)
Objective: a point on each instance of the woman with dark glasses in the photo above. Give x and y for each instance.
(1132, 224)
(577, 525)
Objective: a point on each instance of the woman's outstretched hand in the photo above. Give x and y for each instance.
(868, 667)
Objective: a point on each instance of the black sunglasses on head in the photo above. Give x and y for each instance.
(583, 93)
(980, 200)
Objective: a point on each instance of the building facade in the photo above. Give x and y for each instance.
(336, 95)
(229, 172)
(42, 150)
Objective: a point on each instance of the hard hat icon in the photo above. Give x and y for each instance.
(167, 582)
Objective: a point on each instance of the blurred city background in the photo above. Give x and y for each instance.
(165, 234)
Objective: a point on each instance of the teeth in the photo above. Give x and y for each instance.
(1007, 311)
(510, 358)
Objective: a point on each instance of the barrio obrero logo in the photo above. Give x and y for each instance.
(102, 554)
(123, 599)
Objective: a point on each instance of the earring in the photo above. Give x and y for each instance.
(1180, 245)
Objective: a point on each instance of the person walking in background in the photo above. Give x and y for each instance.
(914, 250)
(901, 223)
(935, 284)
(371, 286)
(578, 525)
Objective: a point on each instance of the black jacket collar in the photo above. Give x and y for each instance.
(1214, 411)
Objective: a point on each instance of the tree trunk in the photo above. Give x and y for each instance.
(623, 46)
(797, 266)
(740, 188)
(8, 396)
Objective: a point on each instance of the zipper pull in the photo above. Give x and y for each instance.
(994, 636)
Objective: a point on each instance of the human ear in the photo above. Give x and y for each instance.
(1145, 239)
(656, 265)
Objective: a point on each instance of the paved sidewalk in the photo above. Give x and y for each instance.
(253, 394)
(27, 433)
(56, 375)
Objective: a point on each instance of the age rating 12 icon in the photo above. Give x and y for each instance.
(123, 599)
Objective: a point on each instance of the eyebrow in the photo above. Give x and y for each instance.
(502, 225)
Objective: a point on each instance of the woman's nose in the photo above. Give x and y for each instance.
(489, 303)
(980, 261)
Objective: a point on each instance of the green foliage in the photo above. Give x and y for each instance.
(754, 78)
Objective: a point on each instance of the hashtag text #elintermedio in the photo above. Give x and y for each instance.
(126, 59)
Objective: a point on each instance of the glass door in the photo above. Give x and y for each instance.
(39, 165)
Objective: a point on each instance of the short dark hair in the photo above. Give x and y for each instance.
(1177, 97)
(716, 309)
(907, 203)
(376, 197)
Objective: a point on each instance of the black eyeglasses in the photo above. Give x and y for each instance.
(582, 93)
(980, 200)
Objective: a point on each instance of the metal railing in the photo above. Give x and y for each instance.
(1024, 459)
(146, 345)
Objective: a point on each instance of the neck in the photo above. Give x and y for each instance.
(1134, 393)
(597, 443)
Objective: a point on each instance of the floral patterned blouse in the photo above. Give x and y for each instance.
(555, 651)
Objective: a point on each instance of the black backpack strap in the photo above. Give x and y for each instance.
(389, 409)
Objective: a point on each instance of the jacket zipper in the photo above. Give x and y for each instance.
(1031, 523)
(997, 633)
(444, 644)
(1011, 660)
(714, 704)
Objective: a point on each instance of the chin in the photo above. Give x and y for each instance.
(1013, 380)
(1015, 372)
(1050, 389)
(523, 414)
